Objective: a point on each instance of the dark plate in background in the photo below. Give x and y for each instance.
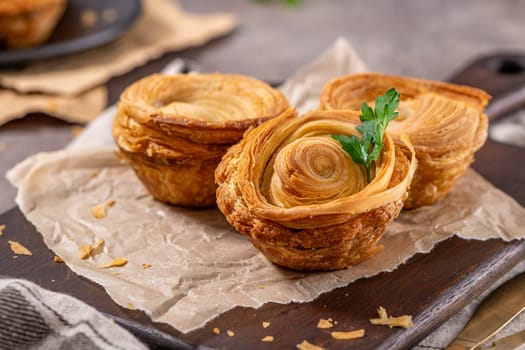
(113, 18)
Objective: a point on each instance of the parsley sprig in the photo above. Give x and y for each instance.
(366, 149)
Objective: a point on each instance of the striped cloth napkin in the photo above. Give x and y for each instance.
(34, 318)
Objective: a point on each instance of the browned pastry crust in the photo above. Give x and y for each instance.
(175, 129)
(297, 195)
(445, 123)
(25, 23)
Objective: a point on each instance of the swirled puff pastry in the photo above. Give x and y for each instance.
(174, 129)
(297, 195)
(25, 23)
(445, 123)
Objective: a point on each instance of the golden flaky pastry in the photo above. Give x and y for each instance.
(297, 195)
(25, 23)
(174, 129)
(444, 122)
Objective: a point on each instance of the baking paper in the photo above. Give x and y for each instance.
(76, 109)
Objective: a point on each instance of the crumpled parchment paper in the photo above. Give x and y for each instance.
(82, 108)
(200, 267)
(304, 87)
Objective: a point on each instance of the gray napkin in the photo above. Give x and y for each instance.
(35, 318)
(442, 336)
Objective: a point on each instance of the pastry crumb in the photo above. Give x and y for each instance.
(404, 321)
(230, 333)
(268, 339)
(216, 330)
(146, 266)
(324, 324)
(2, 229)
(305, 345)
(131, 306)
(98, 246)
(266, 324)
(382, 312)
(58, 259)
(99, 211)
(17, 248)
(85, 251)
(119, 262)
(359, 333)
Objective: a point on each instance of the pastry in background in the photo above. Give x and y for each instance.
(174, 129)
(26, 23)
(291, 188)
(444, 122)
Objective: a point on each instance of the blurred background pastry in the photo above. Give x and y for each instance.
(26, 23)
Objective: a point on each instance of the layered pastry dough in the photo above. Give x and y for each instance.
(25, 23)
(175, 129)
(445, 123)
(298, 196)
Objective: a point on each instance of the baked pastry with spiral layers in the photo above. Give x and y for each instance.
(25, 23)
(299, 197)
(445, 123)
(174, 129)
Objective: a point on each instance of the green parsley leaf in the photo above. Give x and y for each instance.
(352, 145)
(366, 149)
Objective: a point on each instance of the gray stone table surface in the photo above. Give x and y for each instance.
(422, 38)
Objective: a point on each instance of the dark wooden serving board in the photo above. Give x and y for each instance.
(430, 287)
